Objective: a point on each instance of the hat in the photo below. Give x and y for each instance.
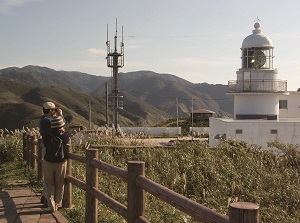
(57, 122)
(49, 105)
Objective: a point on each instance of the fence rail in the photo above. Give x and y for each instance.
(138, 184)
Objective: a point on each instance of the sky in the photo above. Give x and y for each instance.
(197, 40)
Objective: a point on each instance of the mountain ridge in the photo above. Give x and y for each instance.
(149, 97)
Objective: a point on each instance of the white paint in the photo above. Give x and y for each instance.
(256, 104)
(257, 92)
(293, 102)
(152, 130)
(255, 131)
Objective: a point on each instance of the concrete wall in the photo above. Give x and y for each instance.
(201, 130)
(255, 131)
(152, 130)
(293, 110)
(256, 104)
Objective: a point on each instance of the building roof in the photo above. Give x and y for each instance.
(257, 39)
(203, 111)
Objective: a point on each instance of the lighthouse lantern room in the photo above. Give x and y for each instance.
(257, 88)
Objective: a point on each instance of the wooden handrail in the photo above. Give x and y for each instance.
(78, 183)
(182, 203)
(110, 202)
(138, 184)
(79, 158)
(108, 168)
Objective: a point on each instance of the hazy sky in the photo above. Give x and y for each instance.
(197, 40)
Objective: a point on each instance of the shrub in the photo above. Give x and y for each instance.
(10, 148)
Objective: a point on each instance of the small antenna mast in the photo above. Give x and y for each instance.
(106, 33)
(116, 36)
(122, 36)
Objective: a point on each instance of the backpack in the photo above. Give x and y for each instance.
(54, 149)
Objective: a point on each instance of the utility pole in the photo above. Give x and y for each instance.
(177, 114)
(192, 119)
(106, 110)
(115, 61)
(90, 115)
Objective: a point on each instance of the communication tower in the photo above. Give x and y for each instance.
(115, 60)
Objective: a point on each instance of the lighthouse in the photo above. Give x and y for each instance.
(257, 88)
(264, 111)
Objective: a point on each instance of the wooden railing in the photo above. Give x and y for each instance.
(138, 184)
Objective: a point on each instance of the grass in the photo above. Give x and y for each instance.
(17, 174)
(12, 167)
(213, 177)
(11, 171)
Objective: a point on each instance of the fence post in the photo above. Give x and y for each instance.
(33, 152)
(243, 212)
(40, 159)
(24, 146)
(91, 211)
(67, 198)
(136, 195)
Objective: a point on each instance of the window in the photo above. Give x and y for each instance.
(238, 131)
(273, 131)
(283, 104)
(249, 60)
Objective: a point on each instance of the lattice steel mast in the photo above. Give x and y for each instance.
(115, 60)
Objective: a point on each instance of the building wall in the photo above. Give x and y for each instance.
(152, 130)
(256, 104)
(200, 130)
(255, 131)
(293, 110)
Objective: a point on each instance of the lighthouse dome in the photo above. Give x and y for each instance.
(257, 39)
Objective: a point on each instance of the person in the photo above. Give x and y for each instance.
(55, 170)
(49, 111)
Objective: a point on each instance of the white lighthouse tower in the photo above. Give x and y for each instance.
(264, 111)
(257, 88)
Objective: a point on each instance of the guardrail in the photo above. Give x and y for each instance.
(260, 85)
(137, 183)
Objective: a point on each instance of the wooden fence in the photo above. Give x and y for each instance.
(137, 184)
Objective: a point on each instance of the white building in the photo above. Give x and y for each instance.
(263, 109)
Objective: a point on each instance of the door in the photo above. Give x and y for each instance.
(247, 81)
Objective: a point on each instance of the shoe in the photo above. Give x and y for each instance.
(57, 207)
(43, 200)
(47, 209)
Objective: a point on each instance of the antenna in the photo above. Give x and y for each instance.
(122, 47)
(106, 33)
(115, 61)
(116, 36)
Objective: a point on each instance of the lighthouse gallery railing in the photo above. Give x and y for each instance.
(257, 86)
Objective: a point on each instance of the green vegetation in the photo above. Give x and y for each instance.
(13, 170)
(213, 177)
(184, 123)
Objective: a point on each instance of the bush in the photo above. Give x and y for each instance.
(11, 149)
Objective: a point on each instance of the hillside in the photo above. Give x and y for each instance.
(149, 97)
(22, 105)
(161, 91)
